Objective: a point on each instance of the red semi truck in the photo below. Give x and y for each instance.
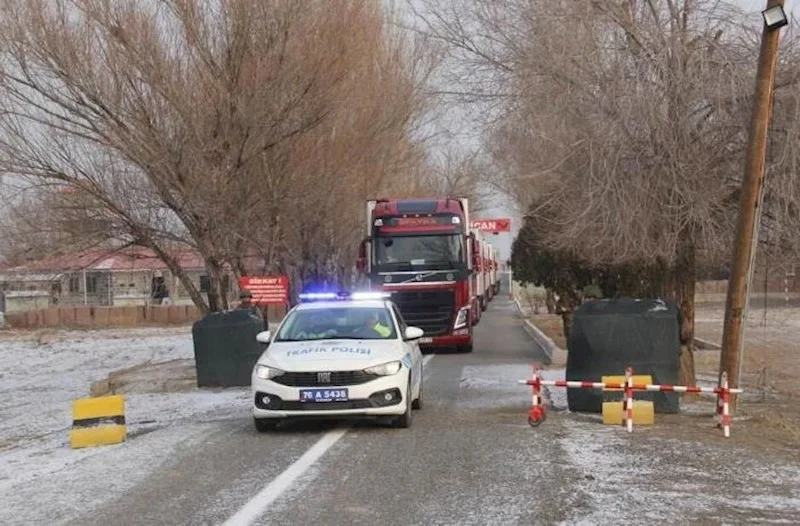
(496, 271)
(481, 271)
(422, 251)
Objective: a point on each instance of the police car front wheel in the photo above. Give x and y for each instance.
(417, 404)
(265, 424)
(405, 420)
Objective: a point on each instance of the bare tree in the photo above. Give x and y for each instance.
(226, 125)
(624, 124)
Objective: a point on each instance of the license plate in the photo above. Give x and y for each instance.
(425, 340)
(323, 395)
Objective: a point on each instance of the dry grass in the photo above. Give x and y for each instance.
(552, 326)
(770, 368)
(771, 348)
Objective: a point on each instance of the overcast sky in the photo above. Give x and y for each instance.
(757, 5)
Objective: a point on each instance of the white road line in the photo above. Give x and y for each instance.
(256, 506)
(253, 509)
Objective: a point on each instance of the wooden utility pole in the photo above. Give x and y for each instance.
(749, 212)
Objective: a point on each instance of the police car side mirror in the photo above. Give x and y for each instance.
(414, 333)
(263, 337)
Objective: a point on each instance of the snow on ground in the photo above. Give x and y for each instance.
(648, 475)
(643, 477)
(38, 383)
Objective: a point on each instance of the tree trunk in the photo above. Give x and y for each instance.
(550, 301)
(684, 289)
(217, 298)
(568, 301)
(566, 321)
(239, 268)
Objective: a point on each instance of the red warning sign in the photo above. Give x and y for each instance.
(266, 290)
(502, 224)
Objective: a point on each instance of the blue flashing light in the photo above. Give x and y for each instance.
(311, 296)
(344, 296)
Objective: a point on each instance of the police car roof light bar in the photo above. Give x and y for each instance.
(370, 295)
(344, 295)
(318, 296)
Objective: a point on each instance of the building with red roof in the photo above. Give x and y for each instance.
(103, 277)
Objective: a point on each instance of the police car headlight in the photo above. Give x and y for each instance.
(267, 373)
(384, 369)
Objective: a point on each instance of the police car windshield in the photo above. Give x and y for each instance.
(345, 322)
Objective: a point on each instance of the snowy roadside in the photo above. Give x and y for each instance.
(677, 471)
(38, 383)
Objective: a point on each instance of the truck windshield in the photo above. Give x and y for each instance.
(435, 252)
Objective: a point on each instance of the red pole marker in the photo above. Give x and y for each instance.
(536, 415)
(629, 399)
(725, 397)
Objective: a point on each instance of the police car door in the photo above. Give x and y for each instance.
(412, 347)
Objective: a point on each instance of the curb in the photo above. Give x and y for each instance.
(541, 339)
(705, 345)
(546, 344)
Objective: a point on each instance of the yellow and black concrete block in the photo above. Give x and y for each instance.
(98, 421)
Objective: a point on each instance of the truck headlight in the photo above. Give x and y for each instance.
(384, 369)
(461, 318)
(267, 373)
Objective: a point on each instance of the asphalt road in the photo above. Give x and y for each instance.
(469, 457)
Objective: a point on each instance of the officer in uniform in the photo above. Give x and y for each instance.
(376, 324)
(246, 303)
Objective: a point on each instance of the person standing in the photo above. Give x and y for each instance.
(246, 303)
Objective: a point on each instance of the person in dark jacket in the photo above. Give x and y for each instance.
(246, 303)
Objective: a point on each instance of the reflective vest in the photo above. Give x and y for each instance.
(382, 330)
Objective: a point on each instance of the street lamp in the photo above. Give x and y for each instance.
(775, 17)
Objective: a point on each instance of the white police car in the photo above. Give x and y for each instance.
(339, 355)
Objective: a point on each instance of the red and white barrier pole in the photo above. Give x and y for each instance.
(724, 403)
(629, 399)
(723, 392)
(537, 413)
(574, 384)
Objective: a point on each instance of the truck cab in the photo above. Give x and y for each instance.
(420, 250)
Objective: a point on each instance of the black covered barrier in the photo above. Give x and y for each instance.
(611, 334)
(225, 348)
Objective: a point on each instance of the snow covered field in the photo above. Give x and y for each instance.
(680, 467)
(38, 383)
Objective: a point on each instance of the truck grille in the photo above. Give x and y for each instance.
(338, 378)
(431, 311)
